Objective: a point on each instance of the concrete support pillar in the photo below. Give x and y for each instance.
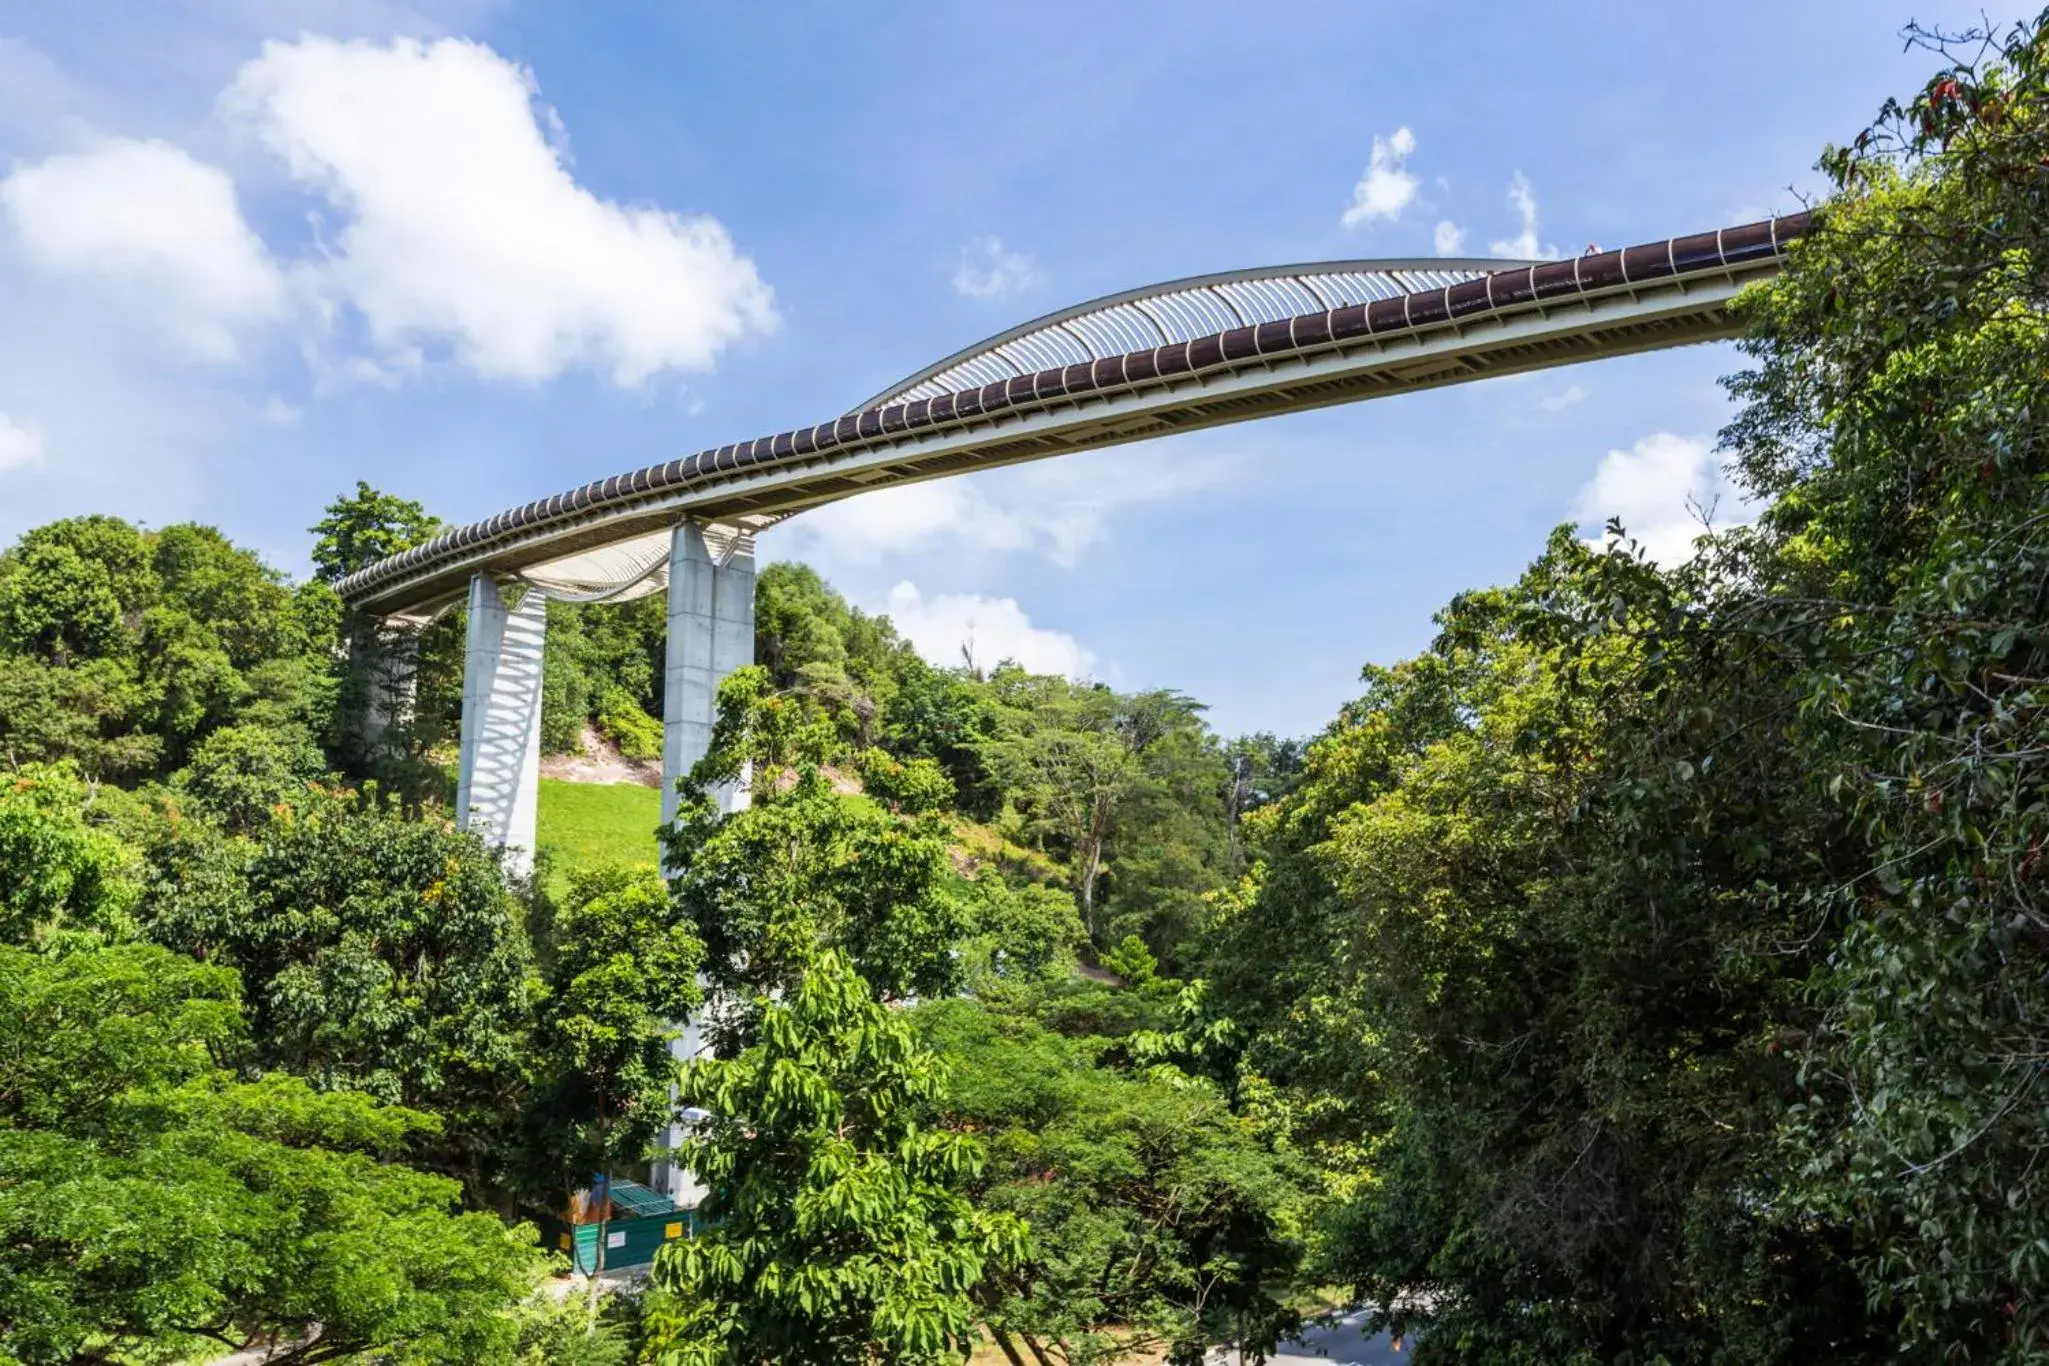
(689, 689)
(732, 644)
(498, 786)
(711, 634)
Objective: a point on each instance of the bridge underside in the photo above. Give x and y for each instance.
(610, 540)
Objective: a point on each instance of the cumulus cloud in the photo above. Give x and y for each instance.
(21, 445)
(1666, 489)
(1386, 187)
(1524, 245)
(990, 270)
(463, 224)
(147, 213)
(1571, 396)
(1057, 508)
(1449, 238)
(951, 628)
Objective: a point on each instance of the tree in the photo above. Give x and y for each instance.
(621, 964)
(380, 954)
(1070, 766)
(803, 866)
(1159, 1219)
(1518, 891)
(399, 685)
(945, 716)
(1263, 769)
(153, 1206)
(358, 531)
(239, 776)
(1023, 931)
(58, 874)
(836, 1228)
(604, 667)
(121, 650)
(1895, 413)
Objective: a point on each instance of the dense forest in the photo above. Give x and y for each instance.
(1653, 970)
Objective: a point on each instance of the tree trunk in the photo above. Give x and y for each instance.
(1092, 867)
(1005, 1345)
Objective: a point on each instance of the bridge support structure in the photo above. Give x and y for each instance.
(710, 636)
(710, 573)
(498, 782)
(1184, 354)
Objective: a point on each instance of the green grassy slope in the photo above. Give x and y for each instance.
(583, 824)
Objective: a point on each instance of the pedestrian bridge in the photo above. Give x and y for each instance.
(1172, 357)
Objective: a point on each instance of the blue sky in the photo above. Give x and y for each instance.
(479, 252)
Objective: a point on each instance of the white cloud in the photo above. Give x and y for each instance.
(952, 627)
(1449, 238)
(1570, 396)
(278, 413)
(1057, 507)
(147, 213)
(1665, 489)
(911, 517)
(1524, 245)
(1385, 188)
(464, 224)
(21, 445)
(989, 270)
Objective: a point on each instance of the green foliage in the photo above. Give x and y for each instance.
(75, 590)
(1129, 790)
(621, 970)
(358, 531)
(1025, 931)
(945, 715)
(1132, 961)
(1069, 766)
(566, 1331)
(121, 650)
(240, 775)
(916, 788)
(1896, 410)
(838, 1232)
(84, 713)
(380, 954)
(804, 866)
(621, 720)
(1656, 964)
(1158, 1218)
(151, 1205)
(814, 644)
(1554, 1006)
(58, 873)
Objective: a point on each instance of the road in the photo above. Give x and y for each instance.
(1339, 1340)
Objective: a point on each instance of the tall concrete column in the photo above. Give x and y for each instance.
(498, 786)
(732, 645)
(689, 688)
(711, 634)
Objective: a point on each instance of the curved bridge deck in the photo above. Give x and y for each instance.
(1223, 349)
